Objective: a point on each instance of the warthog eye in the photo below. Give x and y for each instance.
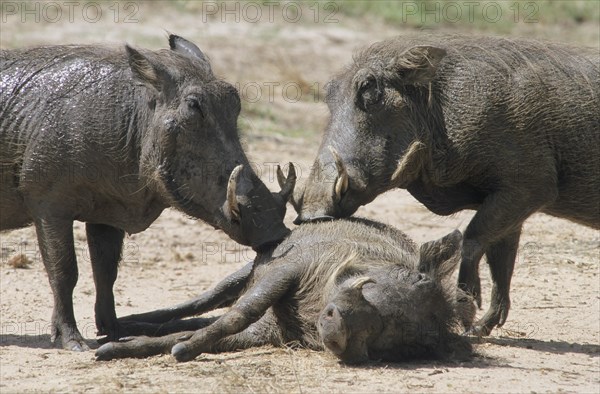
(366, 84)
(369, 93)
(194, 104)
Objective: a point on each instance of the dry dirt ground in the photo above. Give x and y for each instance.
(551, 342)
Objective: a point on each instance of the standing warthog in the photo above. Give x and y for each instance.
(111, 137)
(360, 288)
(504, 127)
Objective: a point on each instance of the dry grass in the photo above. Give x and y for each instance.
(19, 261)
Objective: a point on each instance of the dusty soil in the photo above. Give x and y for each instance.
(551, 342)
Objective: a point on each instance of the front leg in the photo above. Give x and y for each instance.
(250, 308)
(55, 238)
(468, 274)
(162, 337)
(224, 294)
(140, 347)
(219, 335)
(501, 256)
(105, 243)
(495, 230)
(265, 331)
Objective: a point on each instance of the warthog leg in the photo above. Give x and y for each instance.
(140, 347)
(105, 243)
(263, 332)
(501, 257)
(249, 309)
(219, 335)
(55, 237)
(224, 294)
(495, 230)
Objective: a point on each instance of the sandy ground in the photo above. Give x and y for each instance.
(551, 342)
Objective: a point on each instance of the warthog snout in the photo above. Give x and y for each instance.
(332, 329)
(244, 207)
(335, 189)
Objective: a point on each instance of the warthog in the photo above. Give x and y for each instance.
(111, 137)
(504, 127)
(359, 288)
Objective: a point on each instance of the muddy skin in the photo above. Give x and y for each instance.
(112, 137)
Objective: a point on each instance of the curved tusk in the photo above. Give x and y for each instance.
(360, 282)
(232, 202)
(286, 184)
(341, 183)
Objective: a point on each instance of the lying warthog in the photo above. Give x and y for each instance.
(504, 127)
(362, 289)
(111, 137)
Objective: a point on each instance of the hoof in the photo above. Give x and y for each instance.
(105, 352)
(76, 346)
(478, 331)
(478, 300)
(181, 353)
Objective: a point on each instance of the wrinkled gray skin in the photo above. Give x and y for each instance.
(359, 288)
(111, 137)
(504, 127)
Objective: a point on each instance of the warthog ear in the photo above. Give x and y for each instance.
(417, 65)
(288, 183)
(440, 257)
(188, 48)
(144, 70)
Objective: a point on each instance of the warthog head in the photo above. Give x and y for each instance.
(376, 111)
(401, 312)
(192, 150)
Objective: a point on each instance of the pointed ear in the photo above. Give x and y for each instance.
(144, 70)
(417, 65)
(188, 48)
(440, 257)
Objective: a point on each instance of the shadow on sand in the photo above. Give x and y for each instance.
(36, 341)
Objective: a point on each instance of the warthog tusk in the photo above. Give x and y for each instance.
(341, 183)
(232, 203)
(360, 282)
(286, 184)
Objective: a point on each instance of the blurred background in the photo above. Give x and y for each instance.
(281, 53)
